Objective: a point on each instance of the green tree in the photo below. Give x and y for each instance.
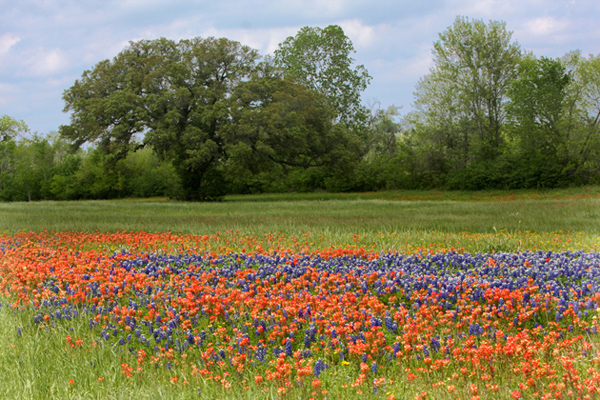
(64, 185)
(95, 178)
(462, 100)
(10, 130)
(382, 165)
(33, 170)
(535, 112)
(143, 174)
(383, 131)
(582, 112)
(281, 127)
(172, 95)
(536, 102)
(320, 59)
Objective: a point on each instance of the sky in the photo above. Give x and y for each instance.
(45, 45)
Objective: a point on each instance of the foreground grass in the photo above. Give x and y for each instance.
(71, 320)
(36, 362)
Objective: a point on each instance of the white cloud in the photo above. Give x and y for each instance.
(40, 62)
(360, 34)
(405, 69)
(59, 82)
(11, 99)
(7, 41)
(137, 4)
(545, 26)
(482, 9)
(98, 48)
(309, 9)
(550, 36)
(330, 7)
(265, 41)
(419, 64)
(5, 96)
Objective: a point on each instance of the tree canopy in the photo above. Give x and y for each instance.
(199, 102)
(174, 94)
(320, 59)
(11, 128)
(474, 63)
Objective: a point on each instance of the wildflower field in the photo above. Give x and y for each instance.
(406, 314)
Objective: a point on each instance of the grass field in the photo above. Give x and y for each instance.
(481, 221)
(491, 295)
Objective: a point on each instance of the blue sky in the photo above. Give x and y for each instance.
(46, 44)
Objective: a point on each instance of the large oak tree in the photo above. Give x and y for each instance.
(169, 95)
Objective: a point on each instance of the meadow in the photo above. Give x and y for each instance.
(390, 295)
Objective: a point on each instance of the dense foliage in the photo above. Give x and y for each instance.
(200, 118)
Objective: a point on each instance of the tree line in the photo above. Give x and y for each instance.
(489, 115)
(204, 117)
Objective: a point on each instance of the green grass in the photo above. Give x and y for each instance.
(39, 363)
(310, 213)
(475, 221)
